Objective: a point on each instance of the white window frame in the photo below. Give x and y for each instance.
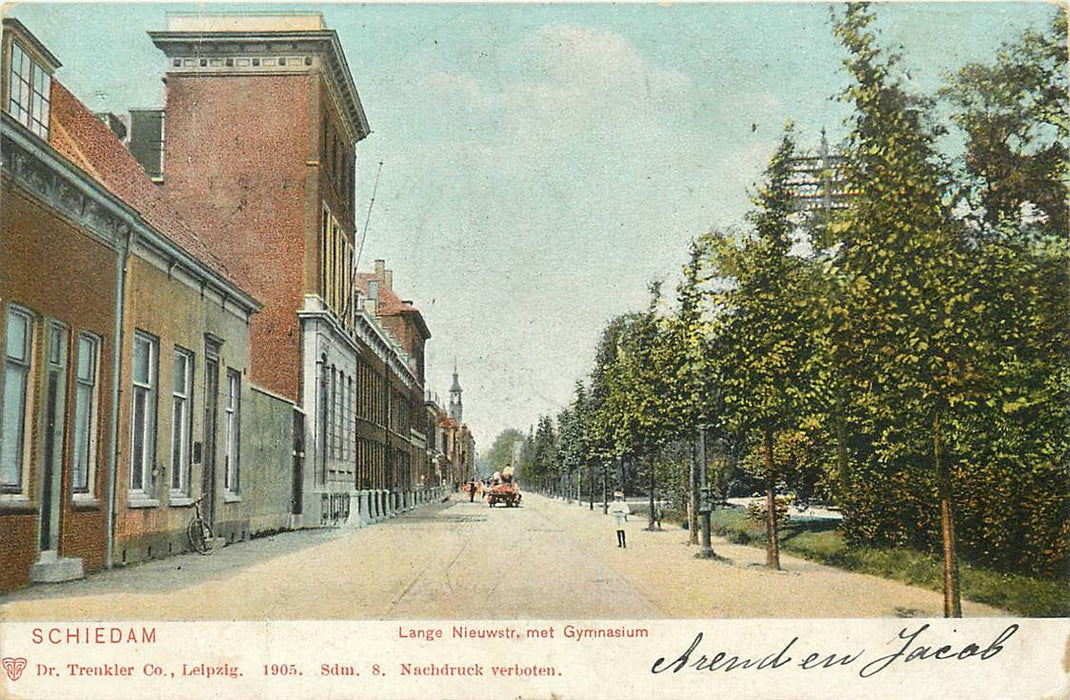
(146, 388)
(182, 425)
(232, 434)
(29, 91)
(86, 416)
(16, 490)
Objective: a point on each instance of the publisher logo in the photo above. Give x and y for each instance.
(13, 666)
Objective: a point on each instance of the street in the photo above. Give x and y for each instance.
(456, 559)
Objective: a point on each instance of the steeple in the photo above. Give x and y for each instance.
(456, 407)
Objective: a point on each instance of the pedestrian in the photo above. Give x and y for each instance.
(620, 511)
(472, 490)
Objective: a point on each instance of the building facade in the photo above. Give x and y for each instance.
(210, 343)
(127, 390)
(261, 124)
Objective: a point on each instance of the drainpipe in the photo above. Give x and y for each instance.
(117, 353)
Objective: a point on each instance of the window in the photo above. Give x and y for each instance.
(181, 425)
(232, 428)
(83, 454)
(18, 344)
(28, 96)
(143, 420)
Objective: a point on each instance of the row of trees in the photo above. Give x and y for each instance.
(905, 357)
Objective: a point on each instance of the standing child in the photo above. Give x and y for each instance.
(620, 511)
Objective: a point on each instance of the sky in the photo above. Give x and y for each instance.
(542, 164)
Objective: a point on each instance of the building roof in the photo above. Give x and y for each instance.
(88, 143)
(390, 304)
(201, 34)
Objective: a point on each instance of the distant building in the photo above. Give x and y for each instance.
(456, 406)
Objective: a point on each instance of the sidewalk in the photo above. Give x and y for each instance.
(663, 567)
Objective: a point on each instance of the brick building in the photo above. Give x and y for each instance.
(261, 123)
(126, 389)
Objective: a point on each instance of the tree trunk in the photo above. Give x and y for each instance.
(952, 597)
(605, 489)
(841, 458)
(650, 511)
(590, 485)
(692, 500)
(772, 551)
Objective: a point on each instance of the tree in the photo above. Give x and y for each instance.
(572, 438)
(906, 333)
(763, 330)
(644, 390)
(544, 452)
(604, 401)
(688, 337)
(502, 451)
(1014, 114)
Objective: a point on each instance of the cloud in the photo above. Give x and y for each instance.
(564, 180)
(597, 61)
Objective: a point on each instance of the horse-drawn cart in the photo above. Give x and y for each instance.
(506, 493)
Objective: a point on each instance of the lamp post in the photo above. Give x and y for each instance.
(705, 498)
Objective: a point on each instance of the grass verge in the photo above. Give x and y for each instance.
(819, 540)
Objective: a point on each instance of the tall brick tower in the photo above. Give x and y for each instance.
(259, 131)
(260, 127)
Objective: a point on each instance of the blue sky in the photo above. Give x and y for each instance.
(543, 163)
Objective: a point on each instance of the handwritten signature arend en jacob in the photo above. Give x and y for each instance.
(911, 650)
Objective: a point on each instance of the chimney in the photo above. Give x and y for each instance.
(146, 139)
(388, 279)
(115, 123)
(380, 269)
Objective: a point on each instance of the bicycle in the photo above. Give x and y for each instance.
(199, 531)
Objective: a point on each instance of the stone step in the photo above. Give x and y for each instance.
(51, 568)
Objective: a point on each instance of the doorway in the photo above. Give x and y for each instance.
(211, 415)
(55, 431)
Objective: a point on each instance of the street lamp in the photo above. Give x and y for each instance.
(705, 498)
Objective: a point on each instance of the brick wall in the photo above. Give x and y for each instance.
(60, 272)
(240, 164)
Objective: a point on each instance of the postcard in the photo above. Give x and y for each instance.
(523, 350)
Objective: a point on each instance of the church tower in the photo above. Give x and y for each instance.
(455, 397)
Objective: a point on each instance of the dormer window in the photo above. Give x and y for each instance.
(29, 85)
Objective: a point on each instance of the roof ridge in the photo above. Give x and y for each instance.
(85, 137)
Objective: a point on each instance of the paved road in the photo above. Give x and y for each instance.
(461, 560)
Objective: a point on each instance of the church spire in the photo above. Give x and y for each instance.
(456, 407)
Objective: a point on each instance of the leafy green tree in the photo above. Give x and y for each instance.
(500, 454)
(907, 332)
(525, 468)
(688, 333)
(604, 401)
(544, 452)
(572, 440)
(764, 343)
(1014, 114)
(643, 398)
